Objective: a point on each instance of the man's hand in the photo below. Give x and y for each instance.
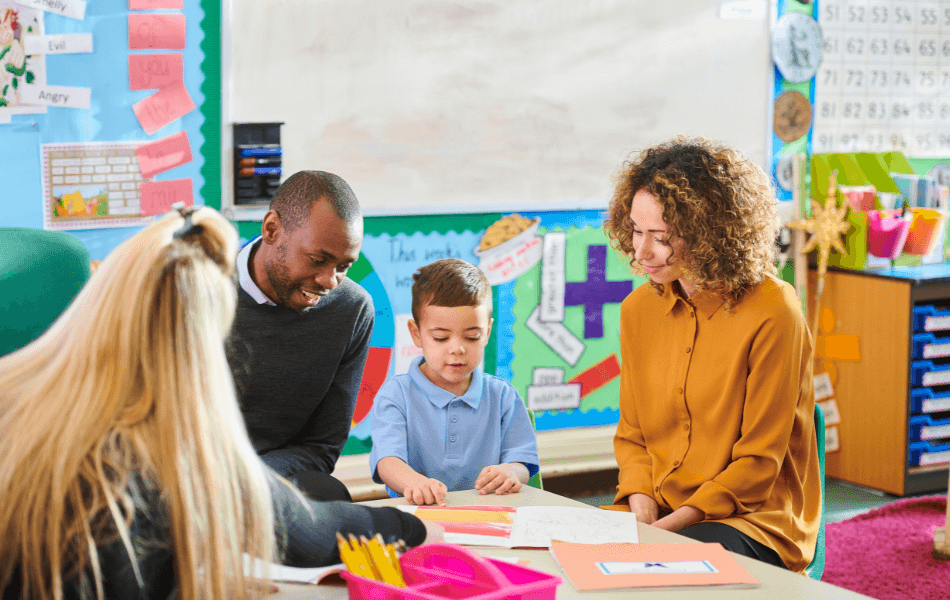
(506, 478)
(426, 491)
(645, 507)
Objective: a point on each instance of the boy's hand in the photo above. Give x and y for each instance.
(427, 491)
(502, 479)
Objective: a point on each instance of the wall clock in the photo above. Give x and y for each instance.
(797, 46)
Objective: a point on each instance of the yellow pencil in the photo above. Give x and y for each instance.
(383, 562)
(353, 559)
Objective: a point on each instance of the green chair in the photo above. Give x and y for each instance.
(535, 480)
(40, 274)
(817, 565)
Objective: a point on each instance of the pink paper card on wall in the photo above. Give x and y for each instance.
(148, 31)
(155, 71)
(163, 107)
(158, 196)
(164, 154)
(156, 4)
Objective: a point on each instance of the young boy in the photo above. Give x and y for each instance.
(446, 425)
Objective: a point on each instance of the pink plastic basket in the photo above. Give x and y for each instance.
(888, 232)
(440, 571)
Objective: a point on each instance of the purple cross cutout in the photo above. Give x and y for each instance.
(596, 291)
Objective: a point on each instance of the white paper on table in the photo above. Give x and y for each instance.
(274, 572)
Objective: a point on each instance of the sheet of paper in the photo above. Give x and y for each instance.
(163, 107)
(156, 4)
(558, 337)
(149, 31)
(158, 196)
(71, 43)
(536, 526)
(164, 154)
(266, 570)
(74, 9)
(554, 397)
(56, 95)
(155, 71)
(547, 376)
(554, 248)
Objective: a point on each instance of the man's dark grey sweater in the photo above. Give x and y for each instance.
(298, 375)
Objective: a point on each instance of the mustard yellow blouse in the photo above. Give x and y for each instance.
(716, 412)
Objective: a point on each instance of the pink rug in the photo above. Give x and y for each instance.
(885, 553)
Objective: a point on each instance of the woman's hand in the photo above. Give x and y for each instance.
(645, 507)
(434, 532)
(680, 518)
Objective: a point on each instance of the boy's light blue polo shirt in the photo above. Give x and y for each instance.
(447, 437)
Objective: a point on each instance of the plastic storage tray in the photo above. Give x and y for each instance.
(925, 427)
(441, 571)
(924, 400)
(923, 454)
(925, 372)
(928, 345)
(928, 318)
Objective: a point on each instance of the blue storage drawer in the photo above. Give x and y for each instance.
(927, 345)
(924, 400)
(925, 372)
(929, 318)
(925, 427)
(923, 454)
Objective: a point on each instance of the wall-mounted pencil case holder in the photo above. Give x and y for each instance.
(441, 571)
(887, 232)
(923, 231)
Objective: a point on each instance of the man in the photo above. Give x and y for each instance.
(302, 330)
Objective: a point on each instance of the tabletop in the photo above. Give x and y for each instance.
(775, 583)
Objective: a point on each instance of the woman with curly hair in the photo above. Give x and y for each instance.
(716, 438)
(126, 469)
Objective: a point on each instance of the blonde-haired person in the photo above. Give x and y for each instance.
(716, 438)
(125, 465)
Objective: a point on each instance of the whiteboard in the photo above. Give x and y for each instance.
(441, 106)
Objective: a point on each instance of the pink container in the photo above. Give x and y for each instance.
(887, 232)
(441, 571)
(923, 231)
(861, 197)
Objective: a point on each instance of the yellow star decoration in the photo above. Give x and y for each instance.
(826, 226)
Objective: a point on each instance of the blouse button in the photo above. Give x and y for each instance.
(656, 489)
(686, 426)
(687, 350)
(680, 391)
(676, 463)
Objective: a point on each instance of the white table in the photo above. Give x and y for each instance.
(775, 583)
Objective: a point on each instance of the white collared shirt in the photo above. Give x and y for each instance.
(244, 273)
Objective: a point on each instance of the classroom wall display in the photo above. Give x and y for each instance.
(438, 106)
(144, 133)
(885, 80)
(556, 305)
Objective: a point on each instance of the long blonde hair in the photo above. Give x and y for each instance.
(132, 381)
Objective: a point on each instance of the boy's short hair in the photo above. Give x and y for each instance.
(449, 282)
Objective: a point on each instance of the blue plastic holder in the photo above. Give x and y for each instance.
(925, 372)
(923, 454)
(925, 427)
(928, 345)
(924, 400)
(928, 318)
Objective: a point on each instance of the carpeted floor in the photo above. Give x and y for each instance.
(886, 553)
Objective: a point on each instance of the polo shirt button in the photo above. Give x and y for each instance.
(455, 419)
(687, 350)
(452, 439)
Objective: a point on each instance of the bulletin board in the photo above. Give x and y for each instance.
(438, 106)
(106, 134)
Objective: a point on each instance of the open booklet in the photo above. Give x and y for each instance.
(528, 526)
(274, 572)
(669, 566)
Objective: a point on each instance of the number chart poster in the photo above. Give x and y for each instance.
(557, 288)
(884, 83)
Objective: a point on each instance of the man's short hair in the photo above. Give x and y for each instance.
(296, 196)
(449, 282)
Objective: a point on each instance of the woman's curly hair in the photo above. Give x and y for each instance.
(721, 204)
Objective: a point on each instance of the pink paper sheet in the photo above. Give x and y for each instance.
(158, 196)
(164, 154)
(163, 107)
(156, 4)
(155, 71)
(148, 31)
